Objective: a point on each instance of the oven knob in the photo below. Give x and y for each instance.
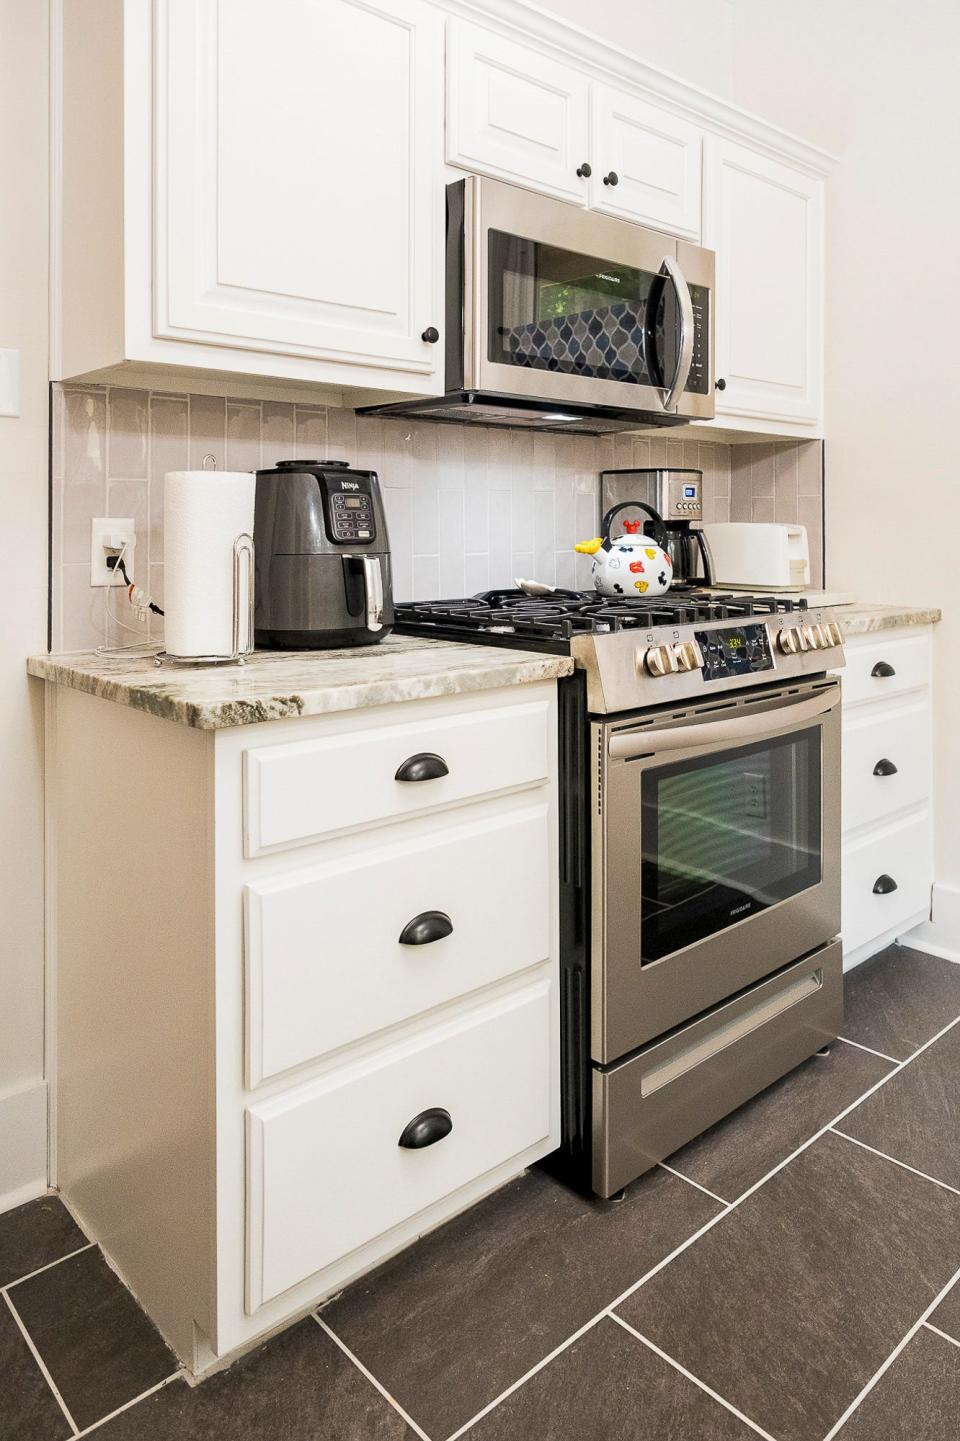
(688, 655)
(660, 660)
(834, 633)
(789, 641)
(809, 633)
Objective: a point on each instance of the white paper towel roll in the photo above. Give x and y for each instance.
(203, 513)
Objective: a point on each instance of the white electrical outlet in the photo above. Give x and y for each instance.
(107, 537)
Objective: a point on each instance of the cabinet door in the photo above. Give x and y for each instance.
(299, 182)
(514, 114)
(765, 222)
(646, 163)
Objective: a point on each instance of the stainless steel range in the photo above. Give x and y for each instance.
(700, 854)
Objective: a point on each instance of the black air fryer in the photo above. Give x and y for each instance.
(322, 556)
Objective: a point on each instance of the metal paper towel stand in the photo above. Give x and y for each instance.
(243, 554)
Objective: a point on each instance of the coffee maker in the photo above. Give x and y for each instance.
(322, 557)
(677, 496)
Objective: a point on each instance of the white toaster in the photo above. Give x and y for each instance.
(754, 555)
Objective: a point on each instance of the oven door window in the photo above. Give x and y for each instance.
(725, 836)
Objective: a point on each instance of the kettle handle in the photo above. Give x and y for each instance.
(659, 529)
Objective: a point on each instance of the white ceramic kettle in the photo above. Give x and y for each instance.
(633, 564)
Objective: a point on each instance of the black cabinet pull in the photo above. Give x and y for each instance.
(431, 335)
(426, 1129)
(883, 668)
(884, 885)
(721, 384)
(884, 768)
(424, 766)
(612, 179)
(427, 927)
(585, 170)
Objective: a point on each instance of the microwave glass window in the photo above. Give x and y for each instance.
(726, 836)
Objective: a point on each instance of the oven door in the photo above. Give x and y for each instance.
(565, 305)
(716, 854)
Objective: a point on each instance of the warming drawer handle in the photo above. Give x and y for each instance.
(884, 767)
(425, 928)
(424, 766)
(884, 885)
(882, 670)
(426, 1129)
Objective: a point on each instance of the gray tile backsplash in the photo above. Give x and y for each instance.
(468, 509)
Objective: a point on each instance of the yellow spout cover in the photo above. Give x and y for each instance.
(589, 547)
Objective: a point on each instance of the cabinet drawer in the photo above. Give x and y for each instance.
(325, 963)
(303, 790)
(886, 763)
(325, 1169)
(866, 675)
(899, 853)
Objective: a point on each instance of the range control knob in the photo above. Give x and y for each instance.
(789, 641)
(688, 655)
(660, 660)
(812, 635)
(834, 633)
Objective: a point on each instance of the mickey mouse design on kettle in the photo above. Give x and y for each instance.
(632, 564)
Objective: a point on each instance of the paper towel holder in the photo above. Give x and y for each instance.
(243, 556)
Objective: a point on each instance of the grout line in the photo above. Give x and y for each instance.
(885, 1156)
(937, 1332)
(891, 1358)
(49, 1266)
(370, 1377)
(727, 1405)
(681, 1177)
(128, 1405)
(869, 1049)
(39, 1360)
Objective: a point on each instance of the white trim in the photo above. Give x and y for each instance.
(940, 935)
(885, 1156)
(55, 243)
(50, 924)
(702, 1385)
(370, 1377)
(39, 1360)
(869, 1050)
(681, 1177)
(23, 1161)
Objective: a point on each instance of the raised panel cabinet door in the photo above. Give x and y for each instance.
(646, 163)
(515, 114)
(764, 219)
(299, 183)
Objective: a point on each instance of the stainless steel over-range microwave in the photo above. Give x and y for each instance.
(559, 318)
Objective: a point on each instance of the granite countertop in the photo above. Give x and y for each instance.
(273, 685)
(862, 618)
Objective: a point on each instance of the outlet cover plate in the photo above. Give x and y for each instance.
(115, 530)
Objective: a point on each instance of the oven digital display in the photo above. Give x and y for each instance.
(737, 650)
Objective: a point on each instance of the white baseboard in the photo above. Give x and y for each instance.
(941, 934)
(23, 1146)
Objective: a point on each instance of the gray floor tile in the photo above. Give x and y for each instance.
(97, 1344)
(34, 1235)
(899, 999)
(298, 1387)
(608, 1386)
(791, 1302)
(740, 1150)
(451, 1322)
(916, 1115)
(947, 1314)
(917, 1399)
(28, 1410)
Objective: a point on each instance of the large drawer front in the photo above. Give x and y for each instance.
(303, 790)
(866, 674)
(325, 964)
(886, 763)
(900, 854)
(325, 1170)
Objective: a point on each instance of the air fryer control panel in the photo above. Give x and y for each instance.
(348, 504)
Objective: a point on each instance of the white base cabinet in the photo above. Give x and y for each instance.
(887, 789)
(245, 1032)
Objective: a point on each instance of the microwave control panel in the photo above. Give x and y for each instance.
(699, 379)
(734, 650)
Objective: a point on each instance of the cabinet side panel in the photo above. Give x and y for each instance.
(132, 798)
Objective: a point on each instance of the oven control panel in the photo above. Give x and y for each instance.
(734, 650)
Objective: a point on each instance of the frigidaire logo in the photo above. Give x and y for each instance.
(349, 485)
(739, 910)
(613, 279)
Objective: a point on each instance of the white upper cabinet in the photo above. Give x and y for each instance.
(297, 171)
(514, 114)
(764, 219)
(645, 163)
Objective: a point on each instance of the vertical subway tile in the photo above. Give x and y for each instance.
(785, 483)
(544, 536)
(501, 548)
(675, 452)
(565, 511)
(450, 457)
(641, 452)
(741, 499)
(128, 424)
(566, 563)
(310, 441)
(810, 514)
(341, 435)
(691, 455)
(370, 444)
(84, 470)
(476, 573)
(398, 505)
(544, 461)
(764, 508)
(278, 432)
(83, 623)
(208, 433)
(397, 457)
(761, 471)
(810, 467)
(426, 577)
(243, 436)
(426, 520)
(171, 423)
(658, 453)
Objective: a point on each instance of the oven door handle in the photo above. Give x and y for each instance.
(672, 271)
(717, 732)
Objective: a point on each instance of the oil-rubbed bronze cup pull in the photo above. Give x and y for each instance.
(426, 1129)
(428, 926)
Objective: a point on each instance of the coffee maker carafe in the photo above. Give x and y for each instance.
(677, 495)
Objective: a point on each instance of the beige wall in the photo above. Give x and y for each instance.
(23, 555)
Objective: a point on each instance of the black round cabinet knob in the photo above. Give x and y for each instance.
(585, 170)
(721, 384)
(612, 178)
(426, 1129)
(431, 335)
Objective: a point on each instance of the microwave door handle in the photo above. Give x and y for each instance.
(721, 732)
(672, 271)
(372, 589)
